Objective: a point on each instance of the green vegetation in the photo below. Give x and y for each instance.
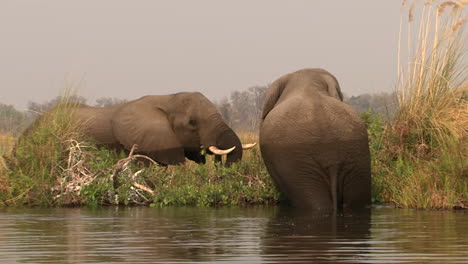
(126, 180)
(34, 166)
(419, 150)
(244, 183)
(12, 121)
(53, 165)
(420, 157)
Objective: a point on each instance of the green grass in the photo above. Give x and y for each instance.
(405, 177)
(244, 183)
(53, 165)
(33, 166)
(420, 157)
(188, 184)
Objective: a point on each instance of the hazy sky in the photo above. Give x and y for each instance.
(128, 49)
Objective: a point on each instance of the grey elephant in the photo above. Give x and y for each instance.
(167, 128)
(315, 147)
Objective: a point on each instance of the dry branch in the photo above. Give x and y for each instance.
(122, 165)
(77, 174)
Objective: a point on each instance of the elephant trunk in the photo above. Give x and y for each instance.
(223, 137)
(229, 138)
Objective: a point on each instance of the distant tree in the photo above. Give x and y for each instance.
(361, 102)
(108, 101)
(242, 110)
(12, 121)
(384, 103)
(224, 108)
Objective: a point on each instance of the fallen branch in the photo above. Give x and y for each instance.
(140, 186)
(77, 173)
(122, 165)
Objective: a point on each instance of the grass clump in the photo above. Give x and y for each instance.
(33, 165)
(52, 164)
(244, 183)
(6, 144)
(423, 153)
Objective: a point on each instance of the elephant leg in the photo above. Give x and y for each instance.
(311, 187)
(357, 187)
(304, 183)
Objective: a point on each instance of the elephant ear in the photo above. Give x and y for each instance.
(273, 94)
(147, 126)
(333, 87)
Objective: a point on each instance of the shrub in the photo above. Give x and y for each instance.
(38, 156)
(423, 160)
(53, 164)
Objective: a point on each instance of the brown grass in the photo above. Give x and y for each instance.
(426, 151)
(249, 137)
(6, 145)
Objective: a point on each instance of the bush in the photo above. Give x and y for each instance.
(53, 164)
(38, 156)
(423, 158)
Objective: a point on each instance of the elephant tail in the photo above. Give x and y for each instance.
(336, 189)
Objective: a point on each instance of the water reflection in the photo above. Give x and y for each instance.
(130, 235)
(419, 236)
(230, 235)
(295, 237)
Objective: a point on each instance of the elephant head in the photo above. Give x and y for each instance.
(167, 128)
(314, 146)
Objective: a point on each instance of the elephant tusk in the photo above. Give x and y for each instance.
(218, 151)
(248, 146)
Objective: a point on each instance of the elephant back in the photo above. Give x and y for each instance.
(96, 123)
(303, 84)
(314, 146)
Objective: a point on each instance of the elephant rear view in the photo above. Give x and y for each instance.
(315, 147)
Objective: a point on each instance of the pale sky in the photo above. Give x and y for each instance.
(128, 49)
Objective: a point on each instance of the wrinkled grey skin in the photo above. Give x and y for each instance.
(315, 147)
(167, 128)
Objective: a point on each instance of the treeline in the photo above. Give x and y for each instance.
(14, 121)
(241, 110)
(382, 102)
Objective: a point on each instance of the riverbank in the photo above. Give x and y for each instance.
(54, 166)
(419, 156)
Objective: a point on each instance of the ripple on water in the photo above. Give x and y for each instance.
(230, 235)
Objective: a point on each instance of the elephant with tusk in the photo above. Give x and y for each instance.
(315, 147)
(167, 128)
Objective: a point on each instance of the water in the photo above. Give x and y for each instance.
(230, 235)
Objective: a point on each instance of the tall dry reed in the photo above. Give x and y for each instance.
(424, 160)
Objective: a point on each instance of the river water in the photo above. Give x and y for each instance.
(230, 235)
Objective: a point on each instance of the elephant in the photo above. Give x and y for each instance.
(166, 128)
(315, 147)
